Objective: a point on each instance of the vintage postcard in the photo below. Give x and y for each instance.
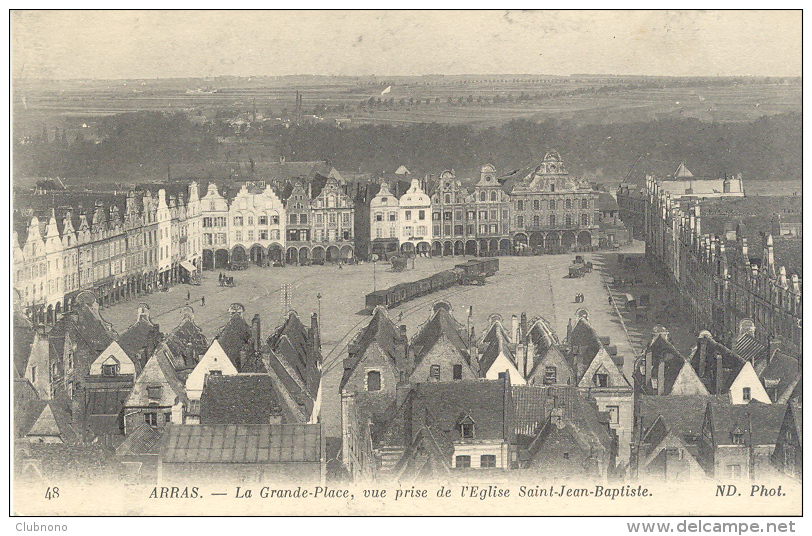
(422, 263)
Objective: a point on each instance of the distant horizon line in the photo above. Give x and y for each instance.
(396, 76)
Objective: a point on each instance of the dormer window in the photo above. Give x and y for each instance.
(737, 436)
(549, 375)
(154, 392)
(746, 395)
(110, 367)
(434, 373)
(466, 425)
(602, 380)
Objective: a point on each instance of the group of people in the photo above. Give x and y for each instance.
(579, 298)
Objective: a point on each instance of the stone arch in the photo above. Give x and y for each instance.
(407, 247)
(504, 246)
(318, 254)
(221, 259)
(553, 240)
(470, 247)
(346, 253)
(493, 246)
(257, 254)
(332, 254)
(58, 309)
(448, 248)
(536, 240)
(304, 255)
(520, 238)
(292, 256)
(458, 247)
(50, 315)
(585, 238)
(208, 259)
(238, 253)
(275, 252)
(568, 240)
(436, 248)
(483, 246)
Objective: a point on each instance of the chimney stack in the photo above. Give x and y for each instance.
(719, 374)
(143, 312)
(314, 329)
(661, 378)
(243, 358)
(521, 359)
(524, 326)
(256, 335)
(514, 329)
(647, 369)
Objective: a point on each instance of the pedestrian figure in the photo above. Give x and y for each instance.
(188, 295)
(202, 300)
(400, 316)
(610, 300)
(339, 266)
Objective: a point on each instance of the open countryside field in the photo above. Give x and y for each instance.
(584, 100)
(535, 285)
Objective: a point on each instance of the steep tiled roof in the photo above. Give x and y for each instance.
(758, 422)
(91, 329)
(380, 330)
(661, 350)
(443, 406)
(104, 410)
(142, 334)
(238, 399)
(233, 337)
(143, 440)
(782, 373)
(246, 443)
(185, 333)
(441, 324)
(682, 414)
(750, 349)
(533, 405)
(496, 341)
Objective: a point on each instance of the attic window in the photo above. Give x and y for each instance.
(374, 380)
(154, 392)
(549, 375)
(746, 394)
(457, 372)
(110, 369)
(602, 380)
(467, 429)
(434, 372)
(737, 436)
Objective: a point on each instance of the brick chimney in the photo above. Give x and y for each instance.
(524, 326)
(774, 344)
(314, 329)
(143, 312)
(661, 378)
(256, 334)
(521, 359)
(514, 329)
(647, 372)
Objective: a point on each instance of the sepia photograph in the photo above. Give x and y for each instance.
(407, 263)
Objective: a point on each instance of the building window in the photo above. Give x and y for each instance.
(434, 372)
(493, 195)
(154, 392)
(251, 235)
(393, 216)
(294, 218)
(238, 221)
(552, 220)
(408, 215)
(250, 220)
(458, 230)
(303, 219)
(374, 380)
(467, 429)
(536, 220)
(448, 216)
(167, 417)
(487, 461)
(746, 394)
(568, 203)
(734, 471)
(207, 222)
(483, 196)
(457, 372)
(519, 221)
(550, 375)
(436, 230)
(602, 380)
(238, 236)
(568, 219)
(462, 462)
(584, 219)
(535, 204)
(614, 414)
(458, 215)
(552, 204)
(110, 369)
(584, 203)
(34, 374)
(519, 205)
(435, 216)
(737, 437)
(421, 215)
(263, 234)
(447, 199)
(151, 418)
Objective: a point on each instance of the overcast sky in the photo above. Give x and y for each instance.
(149, 44)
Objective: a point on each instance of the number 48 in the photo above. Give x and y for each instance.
(52, 493)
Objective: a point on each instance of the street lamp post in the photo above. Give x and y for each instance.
(374, 281)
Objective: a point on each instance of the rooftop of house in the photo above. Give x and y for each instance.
(144, 440)
(242, 443)
(440, 324)
(757, 423)
(238, 399)
(682, 414)
(380, 330)
(234, 336)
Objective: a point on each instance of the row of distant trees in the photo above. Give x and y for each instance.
(767, 148)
